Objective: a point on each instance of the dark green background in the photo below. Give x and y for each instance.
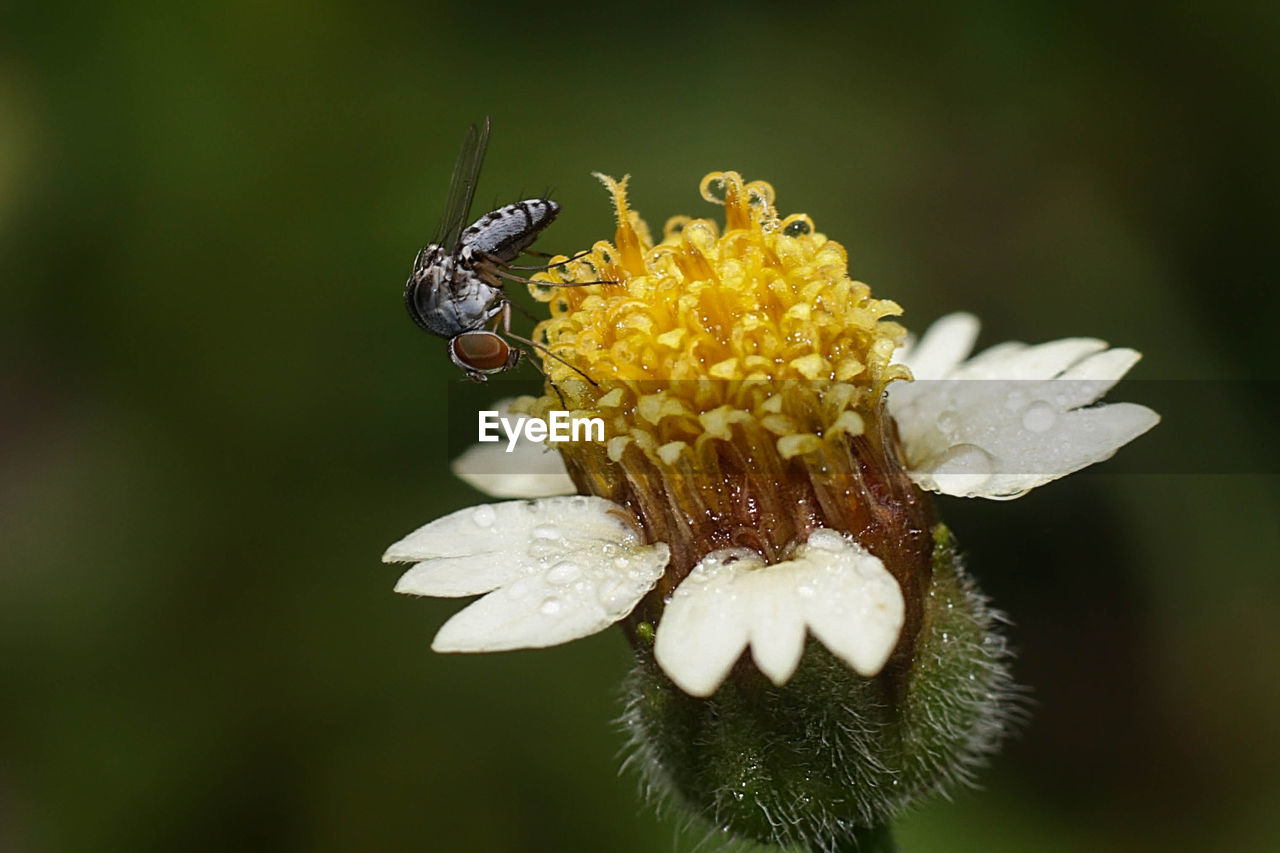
(216, 414)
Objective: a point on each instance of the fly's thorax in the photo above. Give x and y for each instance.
(445, 296)
(506, 232)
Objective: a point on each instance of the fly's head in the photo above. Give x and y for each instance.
(480, 353)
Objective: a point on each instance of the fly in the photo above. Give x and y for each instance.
(456, 287)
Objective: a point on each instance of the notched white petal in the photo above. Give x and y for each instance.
(831, 586)
(562, 568)
(1010, 419)
(856, 609)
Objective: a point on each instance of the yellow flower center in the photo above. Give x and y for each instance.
(769, 300)
(740, 375)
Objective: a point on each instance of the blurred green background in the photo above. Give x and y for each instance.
(216, 414)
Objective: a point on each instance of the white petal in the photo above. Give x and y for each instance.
(513, 526)
(1109, 365)
(856, 609)
(1009, 419)
(705, 628)
(731, 600)
(1019, 361)
(777, 620)
(454, 577)
(586, 591)
(944, 345)
(530, 470)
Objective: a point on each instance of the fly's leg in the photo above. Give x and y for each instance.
(506, 330)
(493, 269)
(581, 254)
(538, 367)
(503, 318)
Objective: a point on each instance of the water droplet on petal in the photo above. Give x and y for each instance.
(551, 606)
(543, 549)
(1015, 400)
(1040, 417)
(962, 469)
(521, 588)
(563, 573)
(484, 516)
(948, 420)
(616, 597)
(546, 531)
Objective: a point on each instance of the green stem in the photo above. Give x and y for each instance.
(877, 840)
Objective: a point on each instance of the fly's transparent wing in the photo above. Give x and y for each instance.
(462, 189)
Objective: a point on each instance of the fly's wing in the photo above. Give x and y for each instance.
(462, 189)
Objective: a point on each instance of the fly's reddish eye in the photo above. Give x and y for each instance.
(481, 350)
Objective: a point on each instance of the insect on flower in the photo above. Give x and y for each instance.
(456, 287)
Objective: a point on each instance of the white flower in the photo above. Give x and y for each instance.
(1011, 418)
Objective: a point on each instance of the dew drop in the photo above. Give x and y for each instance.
(484, 516)
(615, 597)
(948, 421)
(551, 606)
(963, 469)
(545, 549)
(546, 531)
(1040, 417)
(1015, 400)
(521, 588)
(563, 573)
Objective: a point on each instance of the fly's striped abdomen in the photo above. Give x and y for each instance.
(506, 232)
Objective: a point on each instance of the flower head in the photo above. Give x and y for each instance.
(757, 511)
